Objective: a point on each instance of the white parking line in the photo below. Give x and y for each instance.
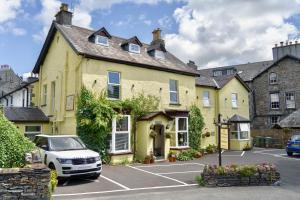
(133, 189)
(276, 155)
(146, 166)
(242, 153)
(222, 151)
(185, 172)
(115, 182)
(183, 183)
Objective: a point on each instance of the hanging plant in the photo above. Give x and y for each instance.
(153, 134)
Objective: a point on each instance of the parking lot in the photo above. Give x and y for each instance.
(139, 178)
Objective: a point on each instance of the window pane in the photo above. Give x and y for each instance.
(274, 100)
(102, 40)
(32, 128)
(244, 135)
(134, 48)
(109, 142)
(173, 85)
(234, 135)
(31, 136)
(182, 139)
(122, 141)
(173, 97)
(273, 78)
(182, 124)
(122, 124)
(114, 77)
(113, 91)
(290, 100)
(159, 54)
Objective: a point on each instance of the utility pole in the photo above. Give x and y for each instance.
(219, 124)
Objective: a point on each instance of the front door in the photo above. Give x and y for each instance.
(159, 141)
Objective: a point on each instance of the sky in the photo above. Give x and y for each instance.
(210, 32)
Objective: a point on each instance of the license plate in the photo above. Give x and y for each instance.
(84, 167)
(295, 145)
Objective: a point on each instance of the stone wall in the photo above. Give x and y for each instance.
(30, 182)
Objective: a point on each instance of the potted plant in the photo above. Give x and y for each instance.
(172, 156)
(147, 159)
(197, 154)
(152, 158)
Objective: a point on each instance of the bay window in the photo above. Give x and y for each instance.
(120, 136)
(182, 139)
(240, 131)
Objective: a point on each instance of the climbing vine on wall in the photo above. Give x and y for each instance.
(95, 113)
(196, 124)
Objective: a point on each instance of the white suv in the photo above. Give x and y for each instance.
(68, 156)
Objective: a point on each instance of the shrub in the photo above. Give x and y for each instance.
(53, 181)
(247, 171)
(196, 124)
(211, 148)
(185, 155)
(13, 145)
(200, 180)
(247, 147)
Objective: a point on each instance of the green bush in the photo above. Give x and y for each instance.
(53, 181)
(200, 180)
(196, 124)
(13, 145)
(185, 155)
(211, 148)
(247, 171)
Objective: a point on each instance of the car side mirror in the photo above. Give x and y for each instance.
(44, 147)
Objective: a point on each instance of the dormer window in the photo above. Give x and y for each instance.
(134, 48)
(102, 40)
(159, 54)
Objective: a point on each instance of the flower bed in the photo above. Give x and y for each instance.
(248, 175)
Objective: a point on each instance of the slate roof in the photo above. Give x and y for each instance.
(23, 114)
(291, 121)
(206, 81)
(238, 118)
(77, 37)
(246, 71)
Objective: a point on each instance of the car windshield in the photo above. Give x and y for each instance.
(296, 138)
(65, 144)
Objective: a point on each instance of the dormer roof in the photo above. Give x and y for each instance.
(133, 40)
(102, 32)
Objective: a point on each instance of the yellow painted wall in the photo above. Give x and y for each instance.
(36, 93)
(225, 107)
(62, 66)
(121, 159)
(46, 128)
(208, 113)
(135, 80)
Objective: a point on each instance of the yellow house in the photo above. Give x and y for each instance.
(227, 96)
(73, 57)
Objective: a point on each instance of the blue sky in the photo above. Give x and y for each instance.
(199, 30)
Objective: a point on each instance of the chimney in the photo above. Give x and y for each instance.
(281, 43)
(192, 65)
(64, 16)
(157, 37)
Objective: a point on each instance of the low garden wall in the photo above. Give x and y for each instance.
(260, 175)
(30, 182)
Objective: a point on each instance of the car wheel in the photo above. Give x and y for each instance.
(52, 166)
(95, 176)
(289, 153)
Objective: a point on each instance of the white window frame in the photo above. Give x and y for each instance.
(178, 131)
(33, 133)
(239, 132)
(45, 94)
(234, 102)
(275, 101)
(206, 100)
(114, 132)
(288, 101)
(103, 37)
(274, 79)
(114, 84)
(131, 45)
(217, 73)
(174, 91)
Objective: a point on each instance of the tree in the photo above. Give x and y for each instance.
(196, 124)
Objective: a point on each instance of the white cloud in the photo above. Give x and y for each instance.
(8, 9)
(219, 32)
(10, 27)
(165, 22)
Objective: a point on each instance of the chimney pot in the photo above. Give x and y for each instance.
(281, 43)
(291, 43)
(275, 45)
(64, 7)
(156, 34)
(64, 16)
(296, 42)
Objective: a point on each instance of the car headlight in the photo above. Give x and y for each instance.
(97, 158)
(64, 161)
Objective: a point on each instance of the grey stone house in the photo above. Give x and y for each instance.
(9, 80)
(274, 84)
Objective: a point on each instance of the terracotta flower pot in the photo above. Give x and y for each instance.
(151, 160)
(147, 161)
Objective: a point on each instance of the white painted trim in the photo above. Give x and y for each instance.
(185, 172)
(242, 153)
(183, 183)
(115, 182)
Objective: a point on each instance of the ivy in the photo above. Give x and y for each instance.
(95, 113)
(196, 124)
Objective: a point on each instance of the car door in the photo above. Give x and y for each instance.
(43, 145)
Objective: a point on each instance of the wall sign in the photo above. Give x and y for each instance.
(70, 103)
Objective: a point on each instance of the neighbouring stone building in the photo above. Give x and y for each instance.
(274, 84)
(9, 80)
